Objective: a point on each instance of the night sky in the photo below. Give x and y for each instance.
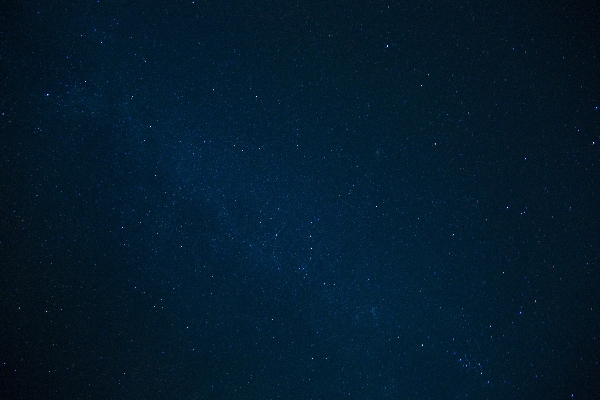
(299, 200)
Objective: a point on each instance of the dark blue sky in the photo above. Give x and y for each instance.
(288, 200)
